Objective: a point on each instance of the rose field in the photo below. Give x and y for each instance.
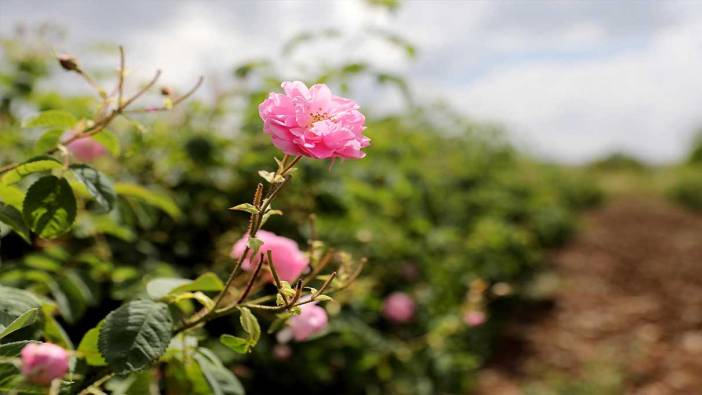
(351, 205)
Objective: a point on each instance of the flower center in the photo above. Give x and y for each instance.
(318, 116)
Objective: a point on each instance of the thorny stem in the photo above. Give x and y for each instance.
(255, 224)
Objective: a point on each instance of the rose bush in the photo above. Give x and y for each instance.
(440, 203)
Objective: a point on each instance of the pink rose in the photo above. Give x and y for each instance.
(311, 320)
(474, 318)
(43, 362)
(85, 149)
(313, 122)
(289, 261)
(399, 307)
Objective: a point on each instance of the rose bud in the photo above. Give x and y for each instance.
(68, 62)
(399, 307)
(43, 362)
(474, 318)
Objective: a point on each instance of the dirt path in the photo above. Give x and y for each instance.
(627, 315)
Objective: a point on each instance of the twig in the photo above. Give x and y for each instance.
(97, 384)
(324, 286)
(120, 81)
(276, 279)
(252, 279)
(175, 102)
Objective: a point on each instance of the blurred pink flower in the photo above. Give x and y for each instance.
(282, 352)
(289, 261)
(474, 318)
(311, 320)
(398, 307)
(313, 122)
(43, 362)
(85, 149)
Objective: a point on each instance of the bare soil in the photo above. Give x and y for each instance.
(629, 299)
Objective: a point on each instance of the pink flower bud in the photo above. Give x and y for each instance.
(311, 320)
(313, 122)
(289, 261)
(282, 352)
(43, 362)
(399, 307)
(85, 149)
(474, 318)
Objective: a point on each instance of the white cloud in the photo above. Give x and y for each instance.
(644, 100)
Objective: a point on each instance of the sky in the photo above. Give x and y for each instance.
(570, 80)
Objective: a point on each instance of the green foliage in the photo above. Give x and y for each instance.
(99, 186)
(88, 347)
(49, 207)
(694, 157)
(34, 165)
(50, 119)
(220, 379)
(110, 141)
(14, 305)
(25, 319)
(687, 191)
(11, 217)
(618, 161)
(135, 335)
(153, 198)
(161, 287)
(439, 203)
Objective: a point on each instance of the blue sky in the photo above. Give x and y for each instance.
(570, 80)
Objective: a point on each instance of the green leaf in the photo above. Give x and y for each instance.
(247, 207)
(50, 119)
(13, 349)
(140, 383)
(254, 244)
(88, 347)
(108, 140)
(268, 214)
(42, 262)
(49, 207)
(49, 140)
(156, 199)
(205, 282)
(160, 287)
(220, 379)
(34, 165)
(54, 332)
(271, 177)
(13, 303)
(135, 335)
(25, 319)
(11, 195)
(99, 186)
(250, 325)
(236, 344)
(11, 217)
(323, 298)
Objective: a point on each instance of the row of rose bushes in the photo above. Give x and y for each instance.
(453, 223)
